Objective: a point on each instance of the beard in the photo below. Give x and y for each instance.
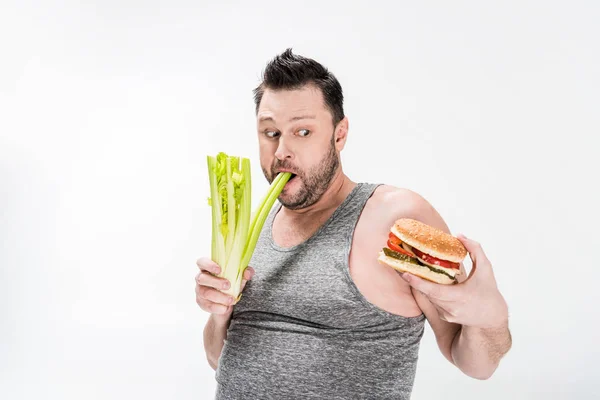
(313, 183)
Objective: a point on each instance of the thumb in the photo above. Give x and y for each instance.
(476, 253)
(430, 289)
(248, 274)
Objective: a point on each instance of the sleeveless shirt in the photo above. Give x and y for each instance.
(303, 330)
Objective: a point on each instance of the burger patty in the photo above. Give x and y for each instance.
(412, 260)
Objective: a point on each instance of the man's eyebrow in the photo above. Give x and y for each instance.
(302, 117)
(297, 118)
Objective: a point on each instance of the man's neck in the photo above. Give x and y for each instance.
(338, 190)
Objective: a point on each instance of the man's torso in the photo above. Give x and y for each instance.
(321, 318)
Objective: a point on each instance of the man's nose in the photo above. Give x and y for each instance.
(283, 150)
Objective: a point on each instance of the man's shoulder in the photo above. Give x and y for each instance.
(389, 203)
(399, 201)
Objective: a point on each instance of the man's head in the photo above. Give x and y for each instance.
(301, 126)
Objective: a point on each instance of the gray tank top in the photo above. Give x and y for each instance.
(302, 329)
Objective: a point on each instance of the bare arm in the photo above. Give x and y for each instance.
(215, 333)
(475, 351)
(478, 351)
(469, 320)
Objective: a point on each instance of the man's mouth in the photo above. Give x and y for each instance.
(292, 175)
(291, 180)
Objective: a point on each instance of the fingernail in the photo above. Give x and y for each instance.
(217, 270)
(231, 300)
(226, 285)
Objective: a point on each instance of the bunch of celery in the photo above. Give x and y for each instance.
(234, 231)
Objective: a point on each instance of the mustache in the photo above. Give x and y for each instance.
(284, 165)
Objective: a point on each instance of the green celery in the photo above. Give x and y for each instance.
(234, 230)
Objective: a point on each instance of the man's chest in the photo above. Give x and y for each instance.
(379, 284)
(288, 234)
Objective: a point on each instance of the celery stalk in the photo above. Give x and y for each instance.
(261, 216)
(218, 244)
(264, 201)
(234, 236)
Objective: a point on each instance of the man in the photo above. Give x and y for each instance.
(320, 318)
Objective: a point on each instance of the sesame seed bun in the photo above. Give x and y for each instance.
(429, 240)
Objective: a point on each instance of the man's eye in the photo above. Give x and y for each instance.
(272, 134)
(303, 132)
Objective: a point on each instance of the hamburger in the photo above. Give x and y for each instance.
(424, 251)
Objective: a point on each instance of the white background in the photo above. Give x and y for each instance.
(108, 110)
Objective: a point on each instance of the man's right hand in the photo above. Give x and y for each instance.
(209, 295)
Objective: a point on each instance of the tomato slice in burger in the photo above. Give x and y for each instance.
(436, 261)
(396, 244)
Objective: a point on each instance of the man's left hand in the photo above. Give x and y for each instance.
(476, 302)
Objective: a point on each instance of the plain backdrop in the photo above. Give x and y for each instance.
(108, 110)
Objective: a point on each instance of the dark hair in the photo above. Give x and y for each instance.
(290, 71)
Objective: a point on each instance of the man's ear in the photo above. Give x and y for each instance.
(341, 134)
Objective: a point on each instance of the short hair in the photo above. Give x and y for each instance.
(289, 71)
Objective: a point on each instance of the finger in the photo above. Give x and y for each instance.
(208, 265)
(249, 273)
(432, 290)
(206, 295)
(206, 279)
(478, 257)
(474, 248)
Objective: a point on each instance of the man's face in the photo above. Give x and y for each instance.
(296, 133)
